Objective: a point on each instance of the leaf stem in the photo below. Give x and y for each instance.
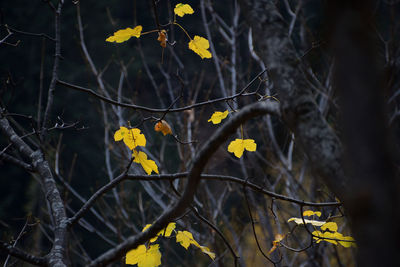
(144, 33)
(177, 24)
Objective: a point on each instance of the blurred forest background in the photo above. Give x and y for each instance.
(83, 155)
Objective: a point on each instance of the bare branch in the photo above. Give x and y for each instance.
(6, 157)
(12, 30)
(162, 177)
(54, 78)
(22, 255)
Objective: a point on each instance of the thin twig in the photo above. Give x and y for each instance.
(253, 227)
(54, 78)
(155, 110)
(30, 33)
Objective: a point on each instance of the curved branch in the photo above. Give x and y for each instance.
(89, 203)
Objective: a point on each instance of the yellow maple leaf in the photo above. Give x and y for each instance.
(144, 257)
(147, 164)
(182, 9)
(334, 238)
(131, 137)
(207, 251)
(125, 34)
(163, 126)
(300, 221)
(218, 116)
(319, 236)
(331, 226)
(346, 244)
(185, 238)
(239, 145)
(167, 231)
(311, 213)
(200, 45)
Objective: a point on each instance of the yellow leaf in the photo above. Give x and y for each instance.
(132, 137)
(218, 116)
(311, 213)
(239, 145)
(144, 257)
(207, 251)
(119, 135)
(167, 231)
(163, 126)
(331, 226)
(125, 34)
(200, 45)
(319, 236)
(313, 222)
(147, 164)
(347, 244)
(147, 226)
(182, 9)
(334, 238)
(185, 238)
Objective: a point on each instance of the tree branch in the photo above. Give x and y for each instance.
(155, 110)
(29, 33)
(17, 162)
(22, 255)
(170, 177)
(57, 254)
(57, 55)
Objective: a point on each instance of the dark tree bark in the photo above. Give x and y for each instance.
(373, 204)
